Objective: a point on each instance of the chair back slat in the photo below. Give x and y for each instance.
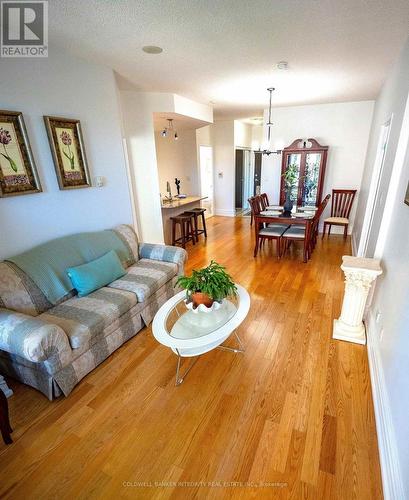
(254, 205)
(342, 200)
(264, 199)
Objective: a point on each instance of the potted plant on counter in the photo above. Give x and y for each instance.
(208, 285)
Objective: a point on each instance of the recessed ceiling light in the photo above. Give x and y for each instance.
(152, 49)
(282, 65)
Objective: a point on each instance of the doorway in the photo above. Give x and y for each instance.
(374, 196)
(244, 180)
(206, 179)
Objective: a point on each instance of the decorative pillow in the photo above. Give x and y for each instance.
(96, 274)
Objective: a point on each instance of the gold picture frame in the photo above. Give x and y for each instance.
(67, 148)
(18, 172)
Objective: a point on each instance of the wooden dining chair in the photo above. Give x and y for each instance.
(261, 203)
(342, 200)
(297, 232)
(316, 222)
(272, 232)
(264, 199)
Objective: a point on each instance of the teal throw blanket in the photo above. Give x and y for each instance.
(47, 264)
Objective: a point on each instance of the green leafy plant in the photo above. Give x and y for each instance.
(290, 176)
(211, 280)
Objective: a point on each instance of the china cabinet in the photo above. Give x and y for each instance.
(310, 158)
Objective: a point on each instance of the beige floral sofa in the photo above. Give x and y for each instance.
(53, 346)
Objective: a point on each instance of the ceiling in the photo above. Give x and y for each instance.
(224, 52)
(180, 122)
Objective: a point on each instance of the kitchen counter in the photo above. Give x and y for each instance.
(176, 207)
(181, 202)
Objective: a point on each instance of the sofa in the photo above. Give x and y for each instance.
(51, 342)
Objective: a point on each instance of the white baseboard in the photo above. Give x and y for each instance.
(392, 482)
(225, 212)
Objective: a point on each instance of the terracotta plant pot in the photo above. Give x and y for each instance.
(201, 298)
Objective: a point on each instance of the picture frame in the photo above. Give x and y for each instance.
(406, 200)
(68, 151)
(18, 171)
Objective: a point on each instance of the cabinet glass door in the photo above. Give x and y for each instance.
(310, 179)
(295, 159)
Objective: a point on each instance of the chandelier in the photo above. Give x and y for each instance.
(170, 130)
(267, 151)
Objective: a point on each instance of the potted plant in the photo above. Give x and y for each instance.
(290, 177)
(207, 285)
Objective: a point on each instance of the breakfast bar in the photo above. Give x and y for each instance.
(175, 207)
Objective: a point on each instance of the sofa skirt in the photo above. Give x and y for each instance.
(53, 382)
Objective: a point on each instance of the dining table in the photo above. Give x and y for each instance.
(280, 217)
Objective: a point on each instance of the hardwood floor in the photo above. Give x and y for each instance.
(292, 417)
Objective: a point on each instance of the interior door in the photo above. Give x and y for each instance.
(239, 183)
(257, 172)
(206, 179)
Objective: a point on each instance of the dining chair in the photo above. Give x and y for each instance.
(316, 221)
(297, 232)
(342, 200)
(260, 203)
(271, 232)
(264, 199)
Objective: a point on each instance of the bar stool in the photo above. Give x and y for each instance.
(186, 229)
(196, 213)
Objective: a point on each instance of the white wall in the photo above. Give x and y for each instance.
(344, 127)
(390, 370)
(391, 104)
(178, 159)
(242, 134)
(63, 85)
(224, 167)
(137, 114)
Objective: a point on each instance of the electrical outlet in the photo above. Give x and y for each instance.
(378, 316)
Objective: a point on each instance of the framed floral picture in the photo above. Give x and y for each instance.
(67, 147)
(18, 173)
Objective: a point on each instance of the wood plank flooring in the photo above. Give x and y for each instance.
(291, 418)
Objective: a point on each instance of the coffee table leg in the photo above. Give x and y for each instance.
(5, 427)
(231, 349)
(180, 379)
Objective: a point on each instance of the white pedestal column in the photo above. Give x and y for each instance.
(359, 275)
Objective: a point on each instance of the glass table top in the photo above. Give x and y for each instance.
(184, 323)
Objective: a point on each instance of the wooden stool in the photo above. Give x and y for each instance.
(186, 230)
(196, 212)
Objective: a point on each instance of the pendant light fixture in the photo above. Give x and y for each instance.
(170, 130)
(267, 151)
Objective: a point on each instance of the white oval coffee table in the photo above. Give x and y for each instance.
(192, 333)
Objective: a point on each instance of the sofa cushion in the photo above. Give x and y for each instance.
(84, 318)
(96, 274)
(146, 277)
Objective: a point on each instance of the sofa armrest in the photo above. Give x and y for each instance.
(165, 253)
(31, 338)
